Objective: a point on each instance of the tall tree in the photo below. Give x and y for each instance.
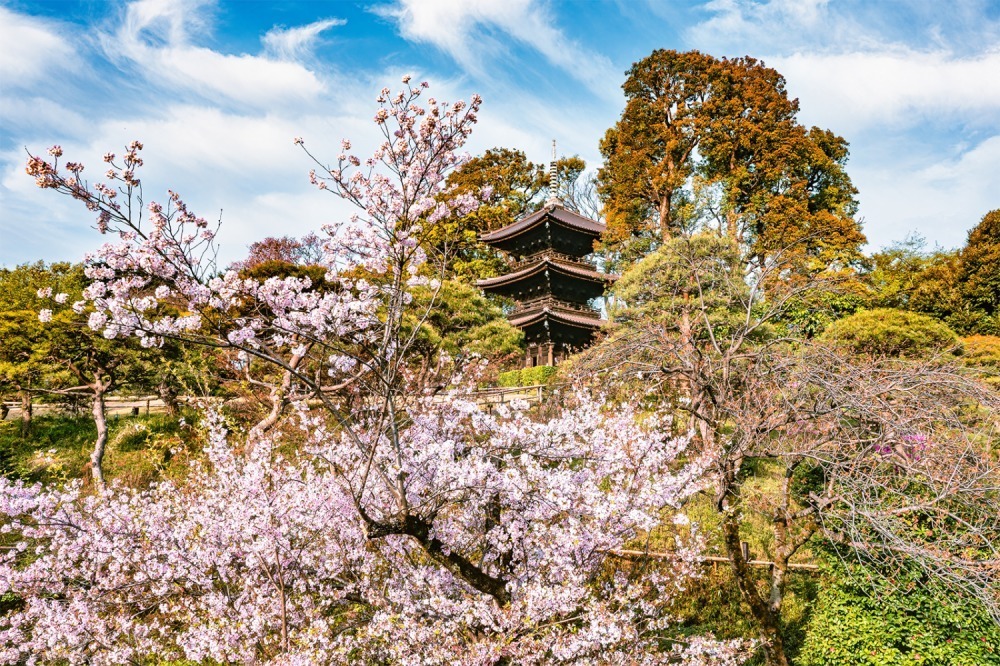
(979, 279)
(706, 142)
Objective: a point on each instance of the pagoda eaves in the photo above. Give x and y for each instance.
(554, 227)
(573, 281)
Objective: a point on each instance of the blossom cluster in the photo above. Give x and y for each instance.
(258, 558)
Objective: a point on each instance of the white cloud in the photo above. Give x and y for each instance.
(247, 167)
(296, 43)
(157, 36)
(30, 48)
(939, 199)
(465, 31)
(852, 91)
(742, 19)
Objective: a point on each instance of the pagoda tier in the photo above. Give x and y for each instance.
(544, 274)
(554, 228)
(550, 320)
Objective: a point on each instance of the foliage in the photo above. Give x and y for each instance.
(864, 617)
(661, 286)
(540, 374)
(461, 320)
(983, 353)
(958, 287)
(25, 364)
(891, 456)
(890, 332)
(710, 143)
(980, 279)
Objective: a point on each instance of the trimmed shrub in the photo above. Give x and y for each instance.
(982, 352)
(891, 332)
(865, 618)
(540, 374)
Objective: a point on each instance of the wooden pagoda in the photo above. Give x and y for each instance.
(550, 281)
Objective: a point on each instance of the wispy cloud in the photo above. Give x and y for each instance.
(467, 31)
(903, 87)
(30, 48)
(941, 200)
(156, 36)
(296, 43)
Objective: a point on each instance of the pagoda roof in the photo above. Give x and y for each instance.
(545, 263)
(554, 212)
(559, 316)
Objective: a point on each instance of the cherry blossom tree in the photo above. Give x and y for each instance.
(412, 529)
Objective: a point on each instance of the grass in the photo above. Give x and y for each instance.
(140, 448)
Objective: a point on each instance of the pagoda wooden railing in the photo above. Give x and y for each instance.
(550, 254)
(552, 302)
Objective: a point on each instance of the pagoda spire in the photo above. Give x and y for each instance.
(553, 199)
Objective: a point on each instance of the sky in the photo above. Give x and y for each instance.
(218, 89)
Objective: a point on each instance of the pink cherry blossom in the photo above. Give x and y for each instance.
(409, 528)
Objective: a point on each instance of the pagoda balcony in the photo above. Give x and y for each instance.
(552, 303)
(552, 255)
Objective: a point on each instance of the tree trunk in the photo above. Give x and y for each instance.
(665, 215)
(168, 394)
(768, 624)
(100, 420)
(4, 410)
(26, 411)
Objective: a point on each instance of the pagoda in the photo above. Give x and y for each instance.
(550, 280)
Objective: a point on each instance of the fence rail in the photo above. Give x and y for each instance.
(487, 398)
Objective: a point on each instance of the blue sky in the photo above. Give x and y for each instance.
(217, 89)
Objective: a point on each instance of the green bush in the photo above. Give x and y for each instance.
(890, 332)
(865, 618)
(540, 374)
(982, 352)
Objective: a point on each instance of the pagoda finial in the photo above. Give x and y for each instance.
(553, 180)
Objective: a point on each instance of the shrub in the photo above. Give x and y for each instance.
(540, 374)
(890, 332)
(982, 352)
(864, 618)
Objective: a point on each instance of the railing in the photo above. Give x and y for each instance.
(551, 302)
(550, 254)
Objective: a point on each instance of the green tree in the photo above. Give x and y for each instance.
(453, 322)
(710, 143)
(905, 276)
(979, 277)
(24, 365)
(86, 363)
